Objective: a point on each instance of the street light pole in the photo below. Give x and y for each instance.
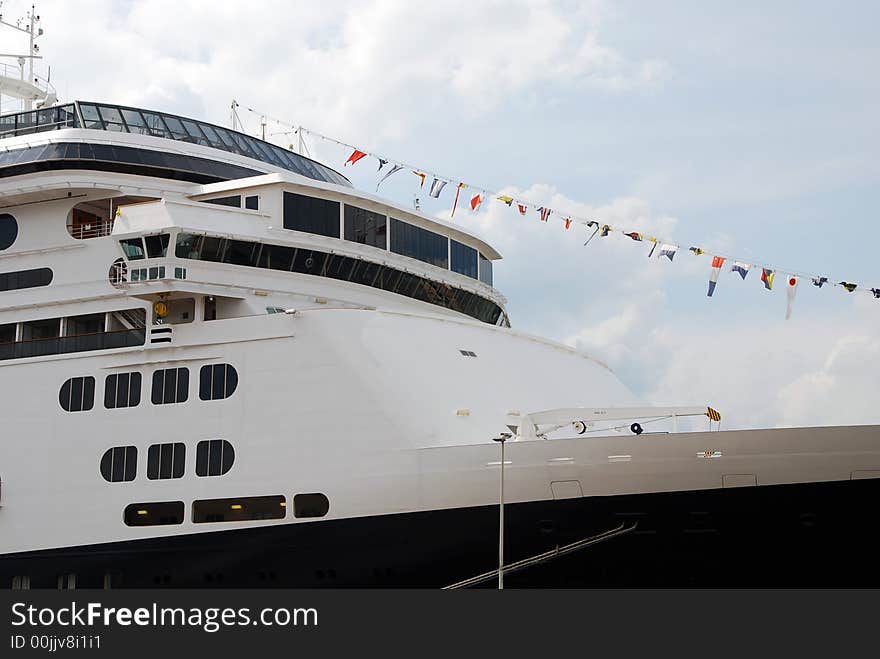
(503, 438)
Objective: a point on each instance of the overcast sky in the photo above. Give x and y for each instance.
(749, 129)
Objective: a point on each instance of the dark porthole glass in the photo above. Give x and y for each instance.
(154, 513)
(119, 464)
(313, 504)
(166, 461)
(217, 381)
(8, 230)
(77, 394)
(214, 457)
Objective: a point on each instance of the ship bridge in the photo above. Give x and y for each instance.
(143, 142)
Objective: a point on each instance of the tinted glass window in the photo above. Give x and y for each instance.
(485, 270)
(337, 266)
(157, 246)
(217, 381)
(165, 461)
(310, 505)
(464, 259)
(8, 230)
(214, 457)
(77, 394)
(365, 227)
(418, 243)
(122, 390)
(233, 201)
(252, 203)
(170, 385)
(119, 464)
(311, 214)
(10, 281)
(7, 333)
(239, 509)
(154, 513)
(133, 248)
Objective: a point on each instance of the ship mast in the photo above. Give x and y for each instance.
(32, 88)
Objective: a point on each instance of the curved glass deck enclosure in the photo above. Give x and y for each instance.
(117, 118)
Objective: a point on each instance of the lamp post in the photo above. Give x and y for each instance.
(502, 439)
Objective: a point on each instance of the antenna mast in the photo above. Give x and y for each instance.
(31, 88)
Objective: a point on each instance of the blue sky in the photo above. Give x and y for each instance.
(749, 129)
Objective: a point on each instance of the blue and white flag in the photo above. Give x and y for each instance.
(437, 187)
(668, 251)
(742, 269)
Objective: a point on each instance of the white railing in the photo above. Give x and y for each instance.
(93, 230)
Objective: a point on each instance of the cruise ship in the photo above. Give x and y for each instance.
(222, 365)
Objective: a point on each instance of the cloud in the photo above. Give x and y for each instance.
(375, 67)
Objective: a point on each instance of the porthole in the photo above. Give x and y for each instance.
(77, 394)
(119, 464)
(8, 230)
(214, 457)
(217, 381)
(313, 504)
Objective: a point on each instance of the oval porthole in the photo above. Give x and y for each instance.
(8, 230)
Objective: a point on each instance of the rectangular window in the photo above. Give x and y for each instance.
(365, 227)
(252, 203)
(234, 201)
(166, 461)
(311, 214)
(170, 385)
(89, 324)
(239, 509)
(133, 248)
(122, 390)
(485, 270)
(7, 333)
(418, 243)
(464, 259)
(155, 513)
(157, 246)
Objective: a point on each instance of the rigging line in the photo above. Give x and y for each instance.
(578, 219)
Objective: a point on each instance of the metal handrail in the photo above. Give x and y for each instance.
(546, 556)
(97, 229)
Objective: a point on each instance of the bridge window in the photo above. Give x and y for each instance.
(12, 281)
(7, 333)
(346, 268)
(239, 509)
(252, 203)
(155, 513)
(170, 385)
(133, 248)
(418, 243)
(310, 214)
(233, 201)
(119, 464)
(166, 461)
(8, 230)
(77, 394)
(464, 259)
(122, 390)
(485, 270)
(217, 381)
(157, 246)
(310, 505)
(365, 227)
(214, 457)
